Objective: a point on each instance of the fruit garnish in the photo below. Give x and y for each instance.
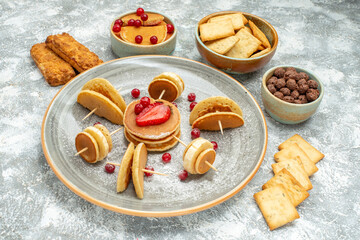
(166, 157)
(144, 17)
(119, 21)
(175, 104)
(195, 133)
(147, 173)
(154, 114)
(145, 101)
(131, 22)
(153, 39)
(138, 108)
(109, 168)
(170, 28)
(138, 39)
(192, 105)
(137, 23)
(116, 27)
(183, 175)
(215, 145)
(191, 97)
(135, 93)
(97, 123)
(139, 11)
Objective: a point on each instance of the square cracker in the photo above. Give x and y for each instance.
(248, 29)
(246, 45)
(276, 207)
(216, 30)
(259, 34)
(314, 154)
(292, 151)
(223, 45)
(245, 21)
(293, 188)
(236, 18)
(263, 52)
(296, 170)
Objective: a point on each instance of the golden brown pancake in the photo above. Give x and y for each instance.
(129, 33)
(138, 164)
(158, 85)
(153, 19)
(124, 174)
(85, 140)
(210, 121)
(158, 141)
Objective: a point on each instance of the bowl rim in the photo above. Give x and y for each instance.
(112, 34)
(273, 48)
(315, 77)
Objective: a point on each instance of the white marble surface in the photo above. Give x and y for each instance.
(322, 36)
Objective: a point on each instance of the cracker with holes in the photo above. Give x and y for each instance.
(245, 47)
(236, 19)
(216, 30)
(276, 206)
(223, 45)
(296, 192)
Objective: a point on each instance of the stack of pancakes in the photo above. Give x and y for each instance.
(156, 137)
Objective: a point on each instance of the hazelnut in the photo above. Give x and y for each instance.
(280, 83)
(271, 80)
(271, 88)
(311, 95)
(288, 99)
(303, 88)
(279, 72)
(291, 84)
(295, 94)
(304, 76)
(290, 74)
(297, 101)
(303, 99)
(285, 91)
(279, 95)
(302, 81)
(312, 84)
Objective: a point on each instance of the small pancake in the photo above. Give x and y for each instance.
(158, 85)
(173, 77)
(210, 121)
(154, 132)
(129, 33)
(158, 141)
(104, 106)
(138, 164)
(206, 156)
(124, 174)
(155, 147)
(85, 140)
(101, 141)
(214, 104)
(105, 88)
(193, 152)
(106, 133)
(153, 19)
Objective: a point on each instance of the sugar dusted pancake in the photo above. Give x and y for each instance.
(157, 141)
(210, 121)
(153, 132)
(153, 19)
(129, 33)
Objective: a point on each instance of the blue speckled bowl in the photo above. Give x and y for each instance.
(124, 49)
(289, 113)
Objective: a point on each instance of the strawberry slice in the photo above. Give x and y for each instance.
(154, 114)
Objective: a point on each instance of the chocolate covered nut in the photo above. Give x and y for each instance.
(279, 95)
(303, 99)
(279, 72)
(271, 80)
(297, 101)
(304, 76)
(271, 88)
(311, 95)
(285, 91)
(312, 84)
(302, 81)
(280, 83)
(289, 99)
(290, 69)
(295, 94)
(291, 84)
(303, 88)
(290, 74)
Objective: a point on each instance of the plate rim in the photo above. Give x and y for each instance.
(131, 212)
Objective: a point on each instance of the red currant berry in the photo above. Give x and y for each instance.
(166, 157)
(149, 168)
(191, 97)
(175, 104)
(109, 168)
(135, 93)
(170, 28)
(137, 23)
(192, 105)
(195, 133)
(144, 17)
(119, 21)
(139, 11)
(153, 40)
(116, 27)
(131, 22)
(138, 108)
(138, 39)
(145, 101)
(215, 145)
(97, 123)
(183, 175)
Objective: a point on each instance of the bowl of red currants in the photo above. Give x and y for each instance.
(142, 32)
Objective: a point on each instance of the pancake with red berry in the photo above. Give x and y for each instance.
(129, 34)
(152, 20)
(156, 120)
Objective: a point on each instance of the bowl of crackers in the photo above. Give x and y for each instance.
(236, 42)
(291, 94)
(142, 32)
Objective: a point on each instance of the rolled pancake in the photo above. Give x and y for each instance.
(210, 121)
